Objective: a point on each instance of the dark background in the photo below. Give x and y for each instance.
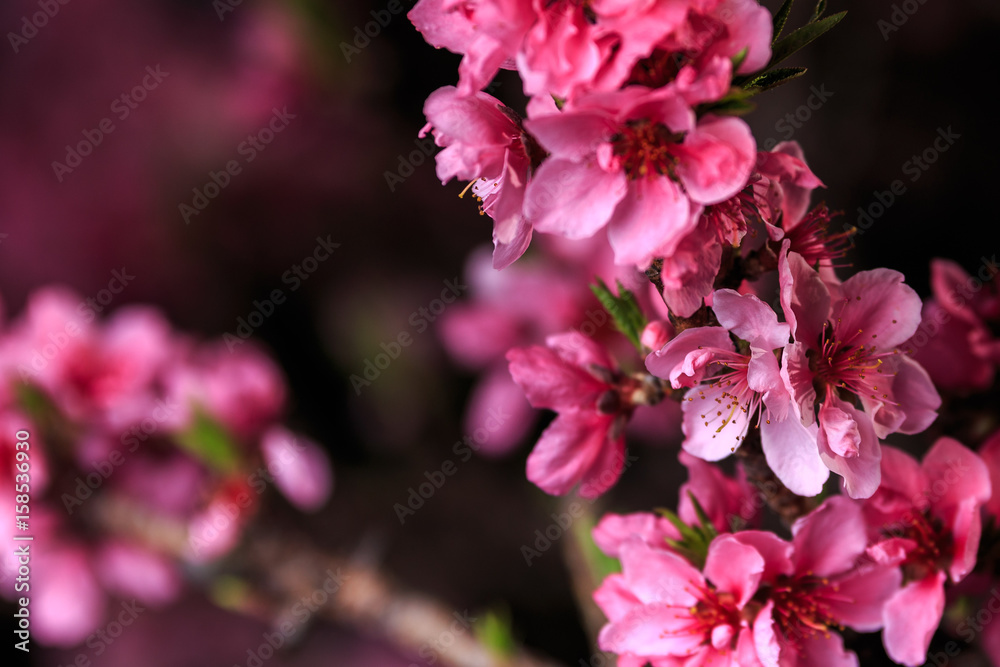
(325, 175)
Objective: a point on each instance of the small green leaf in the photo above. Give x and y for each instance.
(624, 310)
(740, 57)
(599, 564)
(774, 78)
(707, 527)
(494, 632)
(779, 19)
(209, 441)
(819, 11)
(801, 37)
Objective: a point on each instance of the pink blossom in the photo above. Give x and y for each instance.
(615, 530)
(100, 372)
(954, 341)
(729, 388)
(585, 444)
(989, 452)
(818, 584)
(847, 341)
(486, 32)
(925, 517)
(638, 162)
(728, 502)
(483, 142)
(242, 389)
(660, 608)
(301, 469)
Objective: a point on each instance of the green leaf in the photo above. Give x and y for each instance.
(774, 78)
(599, 564)
(801, 37)
(494, 632)
(819, 11)
(209, 441)
(739, 58)
(779, 19)
(707, 527)
(624, 310)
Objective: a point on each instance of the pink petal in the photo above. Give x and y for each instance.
(829, 539)
(717, 158)
(791, 452)
(549, 381)
(877, 303)
(615, 598)
(659, 576)
(734, 567)
(750, 319)
(614, 530)
(862, 594)
(301, 469)
(572, 135)
(130, 571)
(499, 406)
(651, 220)
(567, 450)
(713, 427)
(911, 617)
(861, 473)
(66, 602)
(572, 199)
(684, 359)
(805, 298)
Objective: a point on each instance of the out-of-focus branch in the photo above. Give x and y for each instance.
(290, 569)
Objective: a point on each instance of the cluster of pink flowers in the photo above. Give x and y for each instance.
(133, 424)
(616, 134)
(630, 125)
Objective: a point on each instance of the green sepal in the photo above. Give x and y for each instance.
(210, 442)
(624, 310)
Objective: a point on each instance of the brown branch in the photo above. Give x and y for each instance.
(287, 568)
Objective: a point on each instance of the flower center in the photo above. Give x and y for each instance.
(931, 540)
(845, 363)
(713, 610)
(802, 607)
(814, 239)
(644, 148)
